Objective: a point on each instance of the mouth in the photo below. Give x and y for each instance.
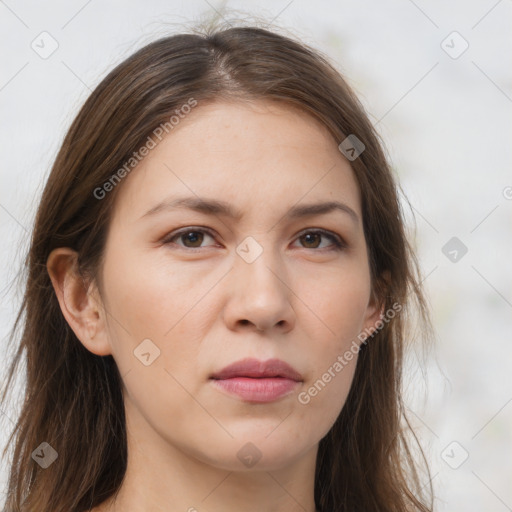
(257, 381)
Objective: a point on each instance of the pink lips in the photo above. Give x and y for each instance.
(257, 381)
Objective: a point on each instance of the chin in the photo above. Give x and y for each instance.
(257, 451)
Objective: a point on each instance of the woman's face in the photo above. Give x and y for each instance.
(189, 291)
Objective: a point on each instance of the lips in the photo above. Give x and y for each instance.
(255, 369)
(257, 381)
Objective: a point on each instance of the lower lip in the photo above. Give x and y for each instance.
(257, 390)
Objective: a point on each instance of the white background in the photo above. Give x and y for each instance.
(446, 123)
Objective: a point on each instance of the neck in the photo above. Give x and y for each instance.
(160, 474)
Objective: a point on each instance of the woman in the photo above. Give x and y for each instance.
(218, 289)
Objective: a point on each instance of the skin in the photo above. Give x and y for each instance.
(204, 307)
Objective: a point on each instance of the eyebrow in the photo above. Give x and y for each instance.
(216, 207)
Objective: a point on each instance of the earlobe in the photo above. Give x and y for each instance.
(78, 304)
(375, 312)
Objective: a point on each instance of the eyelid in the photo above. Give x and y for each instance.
(337, 241)
(175, 234)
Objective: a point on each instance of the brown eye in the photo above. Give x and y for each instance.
(193, 237)
(312, 240)
(189, 238)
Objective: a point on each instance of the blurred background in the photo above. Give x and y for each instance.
(435, 81)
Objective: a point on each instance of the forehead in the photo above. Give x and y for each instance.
(243, 153)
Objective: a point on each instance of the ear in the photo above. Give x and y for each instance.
(79, 301)
(375, 309)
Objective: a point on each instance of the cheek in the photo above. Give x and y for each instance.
(321, 400)
(340, 302)
(336, 302)
(154, 299)
(176, 309)
(165, 305)
(325, 394)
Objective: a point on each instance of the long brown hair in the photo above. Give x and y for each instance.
(73, 398)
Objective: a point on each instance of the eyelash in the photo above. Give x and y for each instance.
(338, 242)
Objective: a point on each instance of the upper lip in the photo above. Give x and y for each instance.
(258, 369)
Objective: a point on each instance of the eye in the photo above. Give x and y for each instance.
(312, 237)
(189, 235)
(192, 238)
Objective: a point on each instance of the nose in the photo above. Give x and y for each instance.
(259, 296)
